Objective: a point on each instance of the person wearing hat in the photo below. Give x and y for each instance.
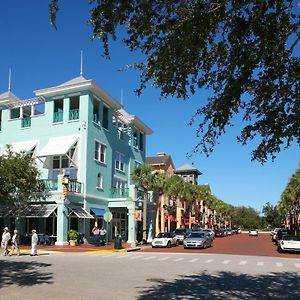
(5, 240)
(15, 243)
(34, 243)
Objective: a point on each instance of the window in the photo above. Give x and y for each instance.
(120, 131)
(26, 116)
(96, 114)
(105, 117)
(99, 181)
(135, 138)
(64, 161)
(74, 108)
(100, 150)
(120, 184)
(141, 142)
(15, 113)
(39, 109)
(119, 161)
(58, 110)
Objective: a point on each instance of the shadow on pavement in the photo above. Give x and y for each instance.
(24, 273)
(226, 285)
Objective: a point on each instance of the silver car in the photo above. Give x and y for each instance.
(198, 239)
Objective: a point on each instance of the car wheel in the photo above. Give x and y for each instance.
(184, 247)
(204, 246)
(153, 246)
(169, 244)
(212, 243)
(177, 243)
(279, 249)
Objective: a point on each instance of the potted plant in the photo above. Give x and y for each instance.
(73, 234)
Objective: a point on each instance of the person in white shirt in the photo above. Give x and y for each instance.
(34, 243)
(5, 240)
(15, 243)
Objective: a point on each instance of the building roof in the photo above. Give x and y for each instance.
(78, 84)
(187, 168)
(159, 159)
(9, 98)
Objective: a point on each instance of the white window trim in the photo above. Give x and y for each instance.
(99, 156)
(119, 161)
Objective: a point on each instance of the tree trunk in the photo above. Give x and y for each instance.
(145, 203)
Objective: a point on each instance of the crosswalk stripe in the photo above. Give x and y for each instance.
(209, 261)
(260, 263)
(243, 262)
(193, 260)
(164, 258)
(225, 262)
(297, 265)
(136, 257)
(178, 259)
(148, 258)
(278, 264)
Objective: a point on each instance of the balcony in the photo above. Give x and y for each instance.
(58, 117)
(26, 122)
(49, 184)
(75, 186)
(74, 114)
(119, 193)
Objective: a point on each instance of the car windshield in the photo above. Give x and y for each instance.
(179, 231)
(196, 235)
(291, 238)
(163, 235)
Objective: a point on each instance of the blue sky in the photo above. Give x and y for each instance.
(41, 57)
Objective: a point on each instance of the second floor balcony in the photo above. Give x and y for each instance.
(119, 193)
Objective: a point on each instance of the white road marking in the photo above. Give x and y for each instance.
(178, 259)
(209, 261)
(260, 263)
(226, 262)
(242, 263)
(297, 265)
(148, 258)
(164, 258)
(278, 264)
(136, 257)
(193, 260)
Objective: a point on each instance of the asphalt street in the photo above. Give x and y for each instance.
(145, 275)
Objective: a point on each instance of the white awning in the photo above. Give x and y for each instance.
(25, 146)
(80, 212)
(58, 145)
(35, 210)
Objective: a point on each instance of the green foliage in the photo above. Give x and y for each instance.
(73, 234)
(246, 218)
(272, 216)
(19, 179)
(241, 50)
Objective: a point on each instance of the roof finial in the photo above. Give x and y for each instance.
(9, 79)
(81, 63)
(122, 96)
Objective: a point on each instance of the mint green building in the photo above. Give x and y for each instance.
(76, 129)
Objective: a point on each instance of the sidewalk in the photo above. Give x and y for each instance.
(84, 248)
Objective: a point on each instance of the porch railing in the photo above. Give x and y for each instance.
(119, 193)
(26, 122)
(57, 117)
(49, 184)
(75, 186)
(74, 114)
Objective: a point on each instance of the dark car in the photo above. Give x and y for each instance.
(220, 233)
(279, 234)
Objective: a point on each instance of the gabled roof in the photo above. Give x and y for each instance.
(9, 99)
(187, 168)
(159, 160)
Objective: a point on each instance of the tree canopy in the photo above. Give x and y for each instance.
(243, 51)
(19, 179)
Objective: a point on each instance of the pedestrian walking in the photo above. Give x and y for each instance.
(15, 243)
(5, 240)
(34, 243)
(102, 235)
(96, 232)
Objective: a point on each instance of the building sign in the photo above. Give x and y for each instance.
(138, 215)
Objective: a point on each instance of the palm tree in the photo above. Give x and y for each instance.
(144, 177)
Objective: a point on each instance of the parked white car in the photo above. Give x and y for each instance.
(165, 239)
(288, 243)
(253, 232)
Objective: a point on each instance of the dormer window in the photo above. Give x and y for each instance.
(15, 113)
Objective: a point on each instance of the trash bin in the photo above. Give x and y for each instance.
(118, 242)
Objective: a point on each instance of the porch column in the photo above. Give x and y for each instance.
(62, 217)
(131, 225)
